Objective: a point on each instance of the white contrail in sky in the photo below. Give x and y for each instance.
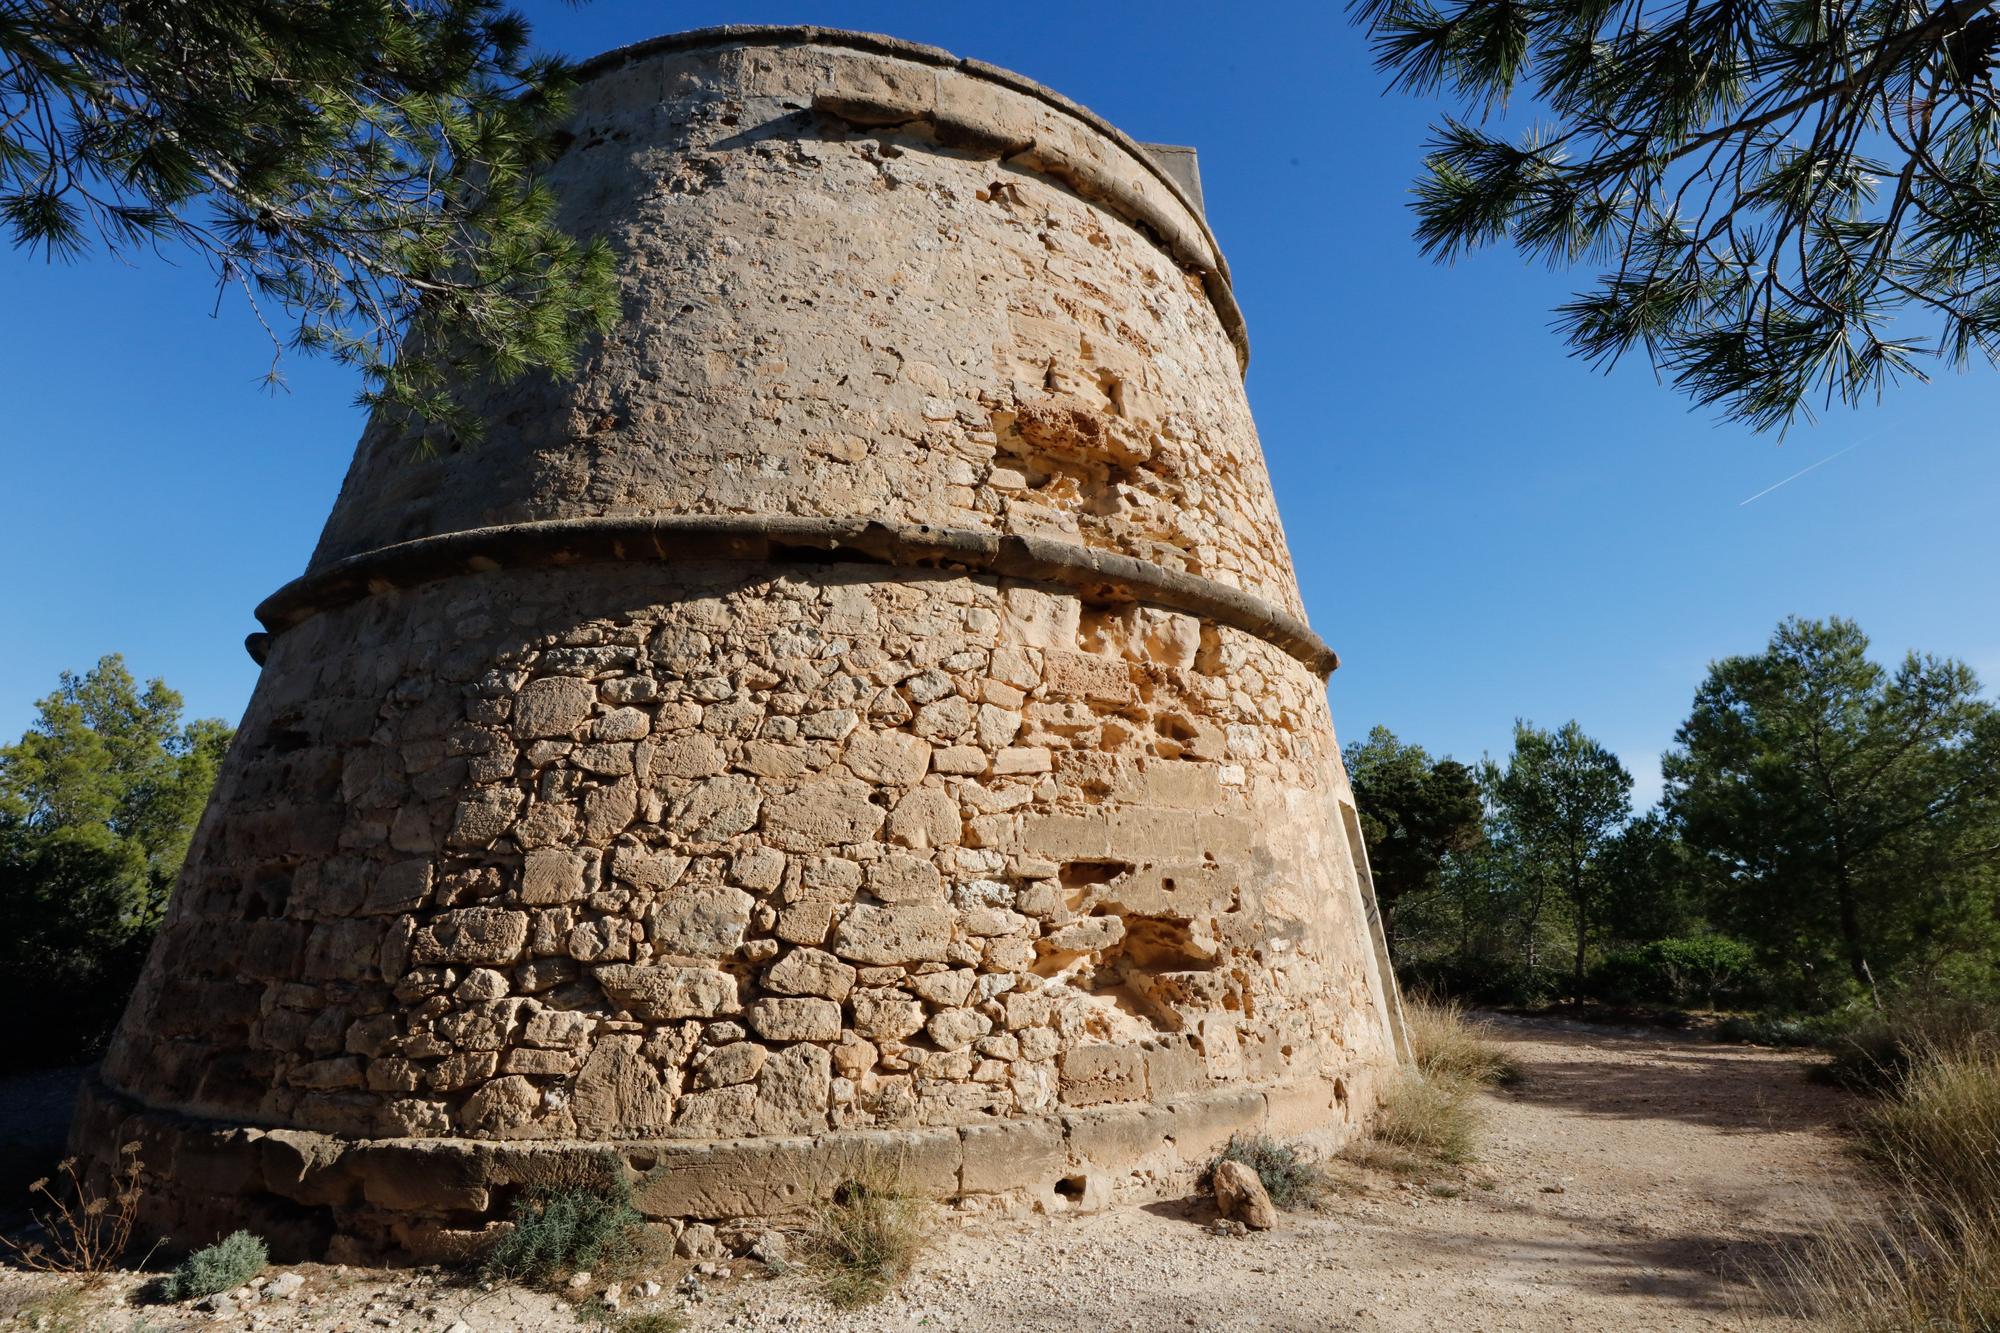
(1801, 472)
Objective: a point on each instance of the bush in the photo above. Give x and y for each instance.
(1678, 970)
(1767, 1030)
(1290, 1180)
(864, 1241)
(564, 1227)
(223, 1266)
(1485, 979)
(1449, 1044)
(1877, 1051)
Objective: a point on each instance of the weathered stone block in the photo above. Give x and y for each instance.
(1093, 1074)
(870, 934)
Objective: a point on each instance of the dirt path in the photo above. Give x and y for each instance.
(1623, 1183)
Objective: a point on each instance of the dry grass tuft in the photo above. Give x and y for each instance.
(865, 1240)
(1450, 1044)
(1432, 1119)
(1875, 1055)
(1430, 1114)
(1933, 1265)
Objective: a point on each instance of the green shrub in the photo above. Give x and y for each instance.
(223, 1266)
(565, 1227)
(1679, 970)
(1290, 1180)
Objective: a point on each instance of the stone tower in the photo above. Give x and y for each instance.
(867, 713)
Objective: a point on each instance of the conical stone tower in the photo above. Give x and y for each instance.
(866, 716)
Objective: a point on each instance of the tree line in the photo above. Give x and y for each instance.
(98, 801)
(1829, 835)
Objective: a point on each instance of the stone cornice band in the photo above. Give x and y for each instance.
(978, 128)
(780, 539)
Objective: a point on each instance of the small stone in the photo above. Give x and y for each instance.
(580, 1280)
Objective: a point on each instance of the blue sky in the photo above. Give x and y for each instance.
(1484, 528)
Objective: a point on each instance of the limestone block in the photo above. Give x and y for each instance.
(483, 817)
(1009, 1154)
(948, 988)
(955, 1029)
(913, 934)
(785, 1177)
(795, 1019)
(823, 813)
(501, 1106)
(758, 869)
(707, 921)
(926, 817)
(719, 808)
(892, 758)
(553, 706)
(402, 886)
(810, 972)
(1094, 1074)
(471, 935)
(693, 755)
(622, 724)
(648, 871)
(620, 1092)
(886, 1015)
(659, 994)
(727, 1066)
(794, 1086)
(551, 875)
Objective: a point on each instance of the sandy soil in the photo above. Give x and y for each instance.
(1625, 1184)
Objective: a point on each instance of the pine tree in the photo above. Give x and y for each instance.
(98, 801)
(1790, 202)
(362, 172)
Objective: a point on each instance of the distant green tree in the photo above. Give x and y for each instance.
(361, 172)
(1701, 963)
(1651, 887)
(97, 803)
(1560, 802)
(1846, 816)
(1415, 813)
(1785, 201)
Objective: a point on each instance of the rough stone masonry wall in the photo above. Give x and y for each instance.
(757, 853)
(738, 858)
(831, 318)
